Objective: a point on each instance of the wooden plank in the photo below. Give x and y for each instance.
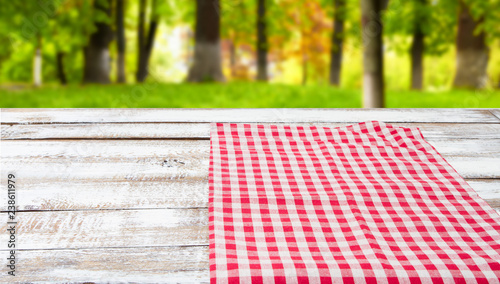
(488, 189)
(476, 168)
(93, 194)
(107, 131)
(123, 265)
(51, 161)
(55, 163)
(466, 147)
(10, 116)
(115, 228)
(143, 195)
(109, 228)
(145, 264)
(132, 160)
(172, 153)
(202, 130)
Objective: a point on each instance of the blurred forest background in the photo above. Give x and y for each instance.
(250, 53)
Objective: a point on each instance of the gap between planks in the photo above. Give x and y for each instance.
(40, 116)
(496, 113)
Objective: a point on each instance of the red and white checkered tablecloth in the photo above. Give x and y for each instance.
(365, 203)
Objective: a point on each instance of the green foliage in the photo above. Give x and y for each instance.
(435, 18)
(56, 25)
(488, 11)
(238, 20)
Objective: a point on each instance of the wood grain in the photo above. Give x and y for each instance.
(488, 189)
(124, 265)
(109, 228)
(92, 194)
(202, 130)
(10, 116)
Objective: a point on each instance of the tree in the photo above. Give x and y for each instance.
(239, 33)
(373, 59)
(61, 74)
(120, 41)
(418, 28)
(37, 63)
(262, 44)
(305, 27)
(28, 23)
(207, 55)
(472, 51)
(145, 43)
(418, 47)
(96, 53)
(337, 41)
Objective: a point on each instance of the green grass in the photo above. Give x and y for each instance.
(231, 95)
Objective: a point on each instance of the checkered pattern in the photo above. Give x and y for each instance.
(365, 203)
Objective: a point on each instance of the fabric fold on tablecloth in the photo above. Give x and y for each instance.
(362, 203)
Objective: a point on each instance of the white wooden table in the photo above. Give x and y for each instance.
(121, 195)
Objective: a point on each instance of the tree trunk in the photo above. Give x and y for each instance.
(305, 57)
(232, 58)
(96, 53)
(120, 42)
(262, 45)
(373, 59)
(337, 42)
(417, 56)
(417, 61)
(60, 68)
(145, 43)
(472, 51)
(37, 64)
(150, 40)
(304, 70)
(141, 53)
(207, 55)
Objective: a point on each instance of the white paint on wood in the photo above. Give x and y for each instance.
(143, 265)
(488, 189)
(32, 194)
(470, 167)
(109, 228)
